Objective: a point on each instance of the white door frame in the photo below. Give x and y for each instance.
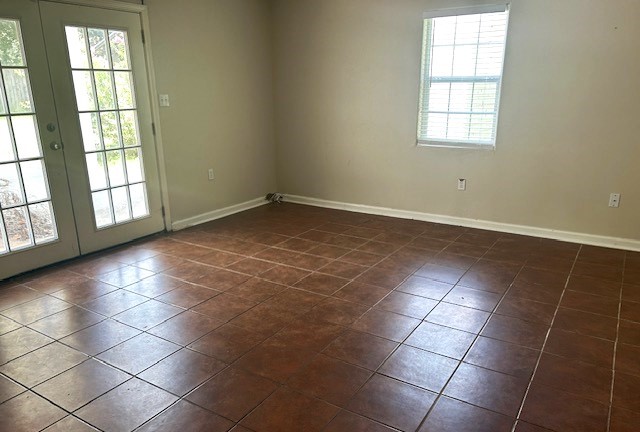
(142, 11)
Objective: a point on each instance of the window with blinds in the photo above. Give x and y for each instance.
(462, 59)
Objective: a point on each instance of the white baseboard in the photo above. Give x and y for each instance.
(569, 236)
(217, 214)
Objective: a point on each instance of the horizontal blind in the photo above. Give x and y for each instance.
(461, 77)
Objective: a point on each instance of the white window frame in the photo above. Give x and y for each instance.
(426, 78)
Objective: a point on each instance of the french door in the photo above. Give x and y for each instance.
(78, 167)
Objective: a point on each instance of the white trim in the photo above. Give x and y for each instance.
(105, 4)
(569, 236)
(471, 10)
(217, 214)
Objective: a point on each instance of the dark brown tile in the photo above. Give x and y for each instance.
(34, 310)
(487, 389)
(388, 325)
(440, 273)
(425, 287)
(329, 379)
(458, 317)
(257, 290)
(284, 275)
(627, 359)
(579, 414)
(584, 348)
(362, 293)
(630, 311)
(227, 342)
(147, 315)
(361, 349)
(343, 269)
(337, 311)
(81, 384)
(182, 371)
(503, 357)
(629, 332)
(528, 427)
(66, 322)
(56, 281)
(626, 392)
(274, 360)
(85, 292)
(138, 353)
(100, 337)
(590, 303)
(224, 307)
(123, 276)
(392, 402)
(595, 286)
(159, 263)
(187, 295)
(450, 415)
(407, 304)
(516, 331)
(115, 302)
(221, 395)
(187, 417)
(321, 283)
(597, 271)
(540, 293)
(472, 298)
(185, 328)
(441, 340)
(28, 412)
(328, 251)
(127, 406)
(308, 335)
(586, 323)
(222, 280)
(623, 420)
(420, 368)
(362, 258)
(575, 377)
(42, 364)
(16, 295)
(155, 285)
(527, 310)
(287, 410)
(346, 421)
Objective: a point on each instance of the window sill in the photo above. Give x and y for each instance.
(456, 145)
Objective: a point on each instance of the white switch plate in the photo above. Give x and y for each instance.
(614, 200)
(210, 173)
(164, 100)
(462, 184)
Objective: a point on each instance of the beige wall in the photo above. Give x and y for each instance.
(214, 59)
(347, 76)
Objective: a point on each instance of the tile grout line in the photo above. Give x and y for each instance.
(615, 345)
(544, 343)
(477, 335)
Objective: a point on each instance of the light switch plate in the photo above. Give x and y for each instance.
(164, 100)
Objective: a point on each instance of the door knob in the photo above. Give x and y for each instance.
(55, 145)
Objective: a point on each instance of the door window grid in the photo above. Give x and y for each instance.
(26, 212)
(105, 96)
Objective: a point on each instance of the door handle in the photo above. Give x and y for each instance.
(55, 145)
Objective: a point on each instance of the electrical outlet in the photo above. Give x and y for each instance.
(614, 200)
(210, 173)
(462, 184)
(164, 100)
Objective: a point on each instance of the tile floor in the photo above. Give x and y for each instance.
(294, 318)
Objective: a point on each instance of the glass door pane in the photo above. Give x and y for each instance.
(27, 216)
(99, 61)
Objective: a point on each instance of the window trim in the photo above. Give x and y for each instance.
(424, 78)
